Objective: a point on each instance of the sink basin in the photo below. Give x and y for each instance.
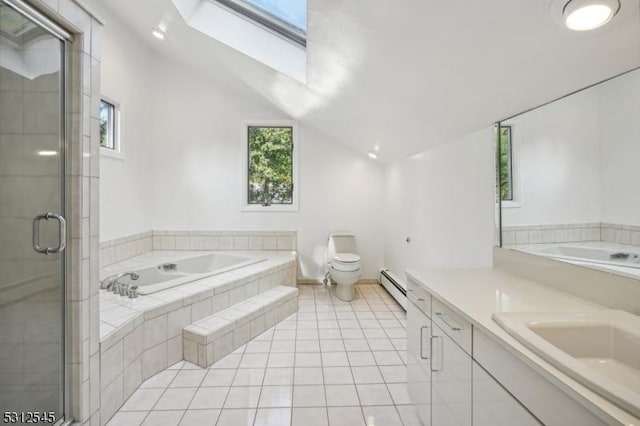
(600, 349)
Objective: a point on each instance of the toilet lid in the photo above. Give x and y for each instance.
(346, 258)
(345, 267)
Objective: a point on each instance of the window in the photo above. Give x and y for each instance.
(288, 18)
(271, 166)
(506, 164)
(110, 128)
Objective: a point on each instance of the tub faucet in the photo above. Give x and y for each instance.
(111, 282)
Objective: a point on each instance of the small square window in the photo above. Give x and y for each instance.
(109, 116)
(270, 170)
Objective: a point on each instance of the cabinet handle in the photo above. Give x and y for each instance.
(452, 325)
(421, 341)
(441, 361)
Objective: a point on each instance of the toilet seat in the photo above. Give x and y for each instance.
(346, 262)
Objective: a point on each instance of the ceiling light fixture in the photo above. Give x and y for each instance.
(47, 153)
(157, 33)
(372, 155)
(585, 15)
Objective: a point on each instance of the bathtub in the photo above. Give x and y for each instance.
(601, 256)
(177, 272)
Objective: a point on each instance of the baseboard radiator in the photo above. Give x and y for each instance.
(395, 286)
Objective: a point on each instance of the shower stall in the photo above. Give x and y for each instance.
(32, 217)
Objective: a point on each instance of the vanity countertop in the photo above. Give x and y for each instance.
(476, 293)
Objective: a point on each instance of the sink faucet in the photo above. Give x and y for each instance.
(111, 281)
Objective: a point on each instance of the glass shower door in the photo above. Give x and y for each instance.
(32, 228)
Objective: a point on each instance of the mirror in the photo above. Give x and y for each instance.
(569, 178)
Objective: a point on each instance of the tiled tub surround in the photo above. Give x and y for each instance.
(570, 233)
(216, 336)
(120, 249)
(140, 337)
(337, 363)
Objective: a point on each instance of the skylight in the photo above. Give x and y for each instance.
(269, 31)
(285, 17)
(293, 12)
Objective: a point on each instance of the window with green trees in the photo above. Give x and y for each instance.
(107, 124)
(270, 165)
(506, 164)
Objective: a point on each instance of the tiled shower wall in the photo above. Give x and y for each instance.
(120, 249)
(569, 233)
(82, 174)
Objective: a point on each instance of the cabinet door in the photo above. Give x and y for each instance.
(418, 365)
(494, 406)
(451, 388)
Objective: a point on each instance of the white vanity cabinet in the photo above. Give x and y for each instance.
(419, 352)
(445, 384)
(451, 388)
(494, 406)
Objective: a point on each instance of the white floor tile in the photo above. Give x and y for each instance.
(394, 373)
(409, 415)
(308, 360)
(387, 358)
(308, 376)
(258, 347)
(345, 416)
(162, 379)
(142, 400)
(283, 346)
(360, 359)
(309, 396)
(374, 395)
(236, 417)
(273, 417)
(341, 395)
(337, 375)
(218, 377)
(175, 399)
(209, 398)
(280, 360)
(248, 377)
(200, 418)
(309, 417)
(382, 416)
(278, 376)
(163, 418)
(229, 361)
(399, 393)
(188, 379)
(335, 359)
(243, 397)
(254, 360)
(275, 396)
(133, 418)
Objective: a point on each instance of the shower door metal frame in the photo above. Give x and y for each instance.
(56, 31)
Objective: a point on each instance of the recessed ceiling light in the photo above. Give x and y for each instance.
(157, 34)
(47, 153)
(372, 155)
(585, 15)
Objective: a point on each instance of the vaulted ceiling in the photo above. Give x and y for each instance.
(408, 75)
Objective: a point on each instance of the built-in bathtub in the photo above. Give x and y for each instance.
(602, 256)
(166, 275)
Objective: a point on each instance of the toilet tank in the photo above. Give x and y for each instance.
(341, 243)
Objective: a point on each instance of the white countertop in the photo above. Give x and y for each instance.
(477, 293)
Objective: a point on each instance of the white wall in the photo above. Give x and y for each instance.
(620, 149)
(125, 194)
(556, 163)
(196, 175)
(443, 200)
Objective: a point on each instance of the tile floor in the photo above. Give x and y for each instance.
(333, 363)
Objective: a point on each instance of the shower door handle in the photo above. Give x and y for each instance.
(62, 234)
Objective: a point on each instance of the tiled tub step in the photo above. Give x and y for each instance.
(210, 339)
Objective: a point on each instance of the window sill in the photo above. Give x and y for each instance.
(510, 205)
(290, 208)
(111, 153)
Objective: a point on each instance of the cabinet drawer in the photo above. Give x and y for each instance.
(417, 294)
(453, 325)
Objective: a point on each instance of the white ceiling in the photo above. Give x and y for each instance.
(408, 75)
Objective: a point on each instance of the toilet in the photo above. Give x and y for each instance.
(344, 264)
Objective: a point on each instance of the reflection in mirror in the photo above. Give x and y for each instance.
(569, 178)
